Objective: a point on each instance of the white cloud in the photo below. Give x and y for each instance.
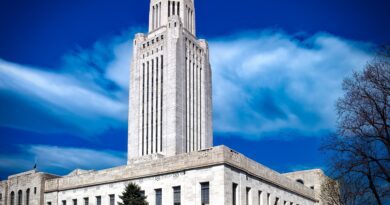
(61, 160)
(270, 83)
(86, 97)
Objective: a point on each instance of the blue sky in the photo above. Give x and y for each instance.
(277, 72)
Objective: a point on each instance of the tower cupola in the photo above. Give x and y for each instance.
(162, 10)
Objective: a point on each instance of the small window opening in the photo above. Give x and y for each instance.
(235, 187)
(300, 181)
(205, 193)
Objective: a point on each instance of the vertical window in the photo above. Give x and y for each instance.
(49, 203)
(162, 92)
(112, 199)
(159, 14)
(27, 196)
(152, 112)
(158, 196)
(153, 17)
(260, 198)
(86, 201)
(169, 8)
(178, 8)
(142, 193)
(285, 203)
(291, 203)
(35, 190)
(12, 198)
(173, 7)
(98, 200)
(157, 116)
(268, 199)
(177, 195)
(1, 196)
(247, 196)
(20, 197)
(143, 108)
(276, 201)
(234, 190)
(205, 193)
(74, 201)
(64, 202)
(147, 108)
(188, 18)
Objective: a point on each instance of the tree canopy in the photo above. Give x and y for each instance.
(361, 147)
(132, 195)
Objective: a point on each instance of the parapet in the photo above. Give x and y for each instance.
(214, 156)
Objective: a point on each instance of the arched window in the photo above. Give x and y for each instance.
(27, 196)
(12, 198)
(300, 181)
(20, 197)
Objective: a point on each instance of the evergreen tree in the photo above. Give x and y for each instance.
(132, 196)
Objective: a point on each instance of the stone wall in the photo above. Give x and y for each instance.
(251, 190)
(189, 181)
(310, 178)
(188, 162)
(3, 192)
(25, 184)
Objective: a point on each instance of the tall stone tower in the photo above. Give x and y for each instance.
(170, 85)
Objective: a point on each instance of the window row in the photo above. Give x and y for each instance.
(152, 52)
(173, 8)
(204, 189)
(86, 201)
(20, 197)
(195, 49)
(263, 198)
(205, 197)
(153, 41)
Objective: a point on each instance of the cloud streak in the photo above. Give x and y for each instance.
(271, 84)
(60, 160)
(86, 97)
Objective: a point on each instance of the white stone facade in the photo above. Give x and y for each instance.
(310, 178)
(170, 135)
(26, 188)
(3, 192)
(170, 105)
(218, 166)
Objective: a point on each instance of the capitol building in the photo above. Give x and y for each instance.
(170, 138)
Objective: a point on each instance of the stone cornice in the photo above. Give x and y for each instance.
(215, 156)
